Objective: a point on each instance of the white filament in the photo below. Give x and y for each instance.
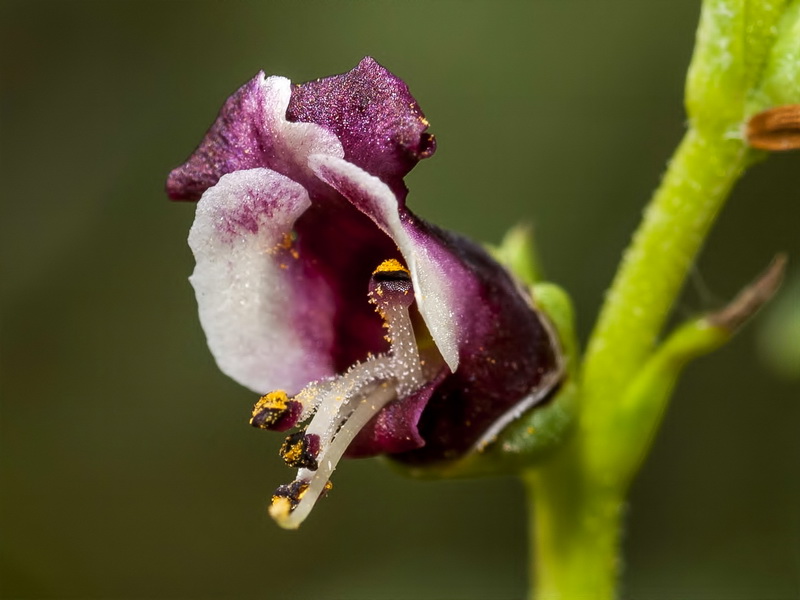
(326, 394)
(366, 408)
(404, 352)
(339, 394)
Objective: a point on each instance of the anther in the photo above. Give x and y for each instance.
(286, 498)
(276, 411)
(300, 450)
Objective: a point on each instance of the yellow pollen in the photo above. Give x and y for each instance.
(276, 400)
(280, 508)
(286, 242)
(284, 245)
(389, 266)
(292, 453)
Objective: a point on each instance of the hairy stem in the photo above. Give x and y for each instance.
(575, 531)
(576, 519)
(675, 224)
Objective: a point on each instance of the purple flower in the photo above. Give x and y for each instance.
(317, 286)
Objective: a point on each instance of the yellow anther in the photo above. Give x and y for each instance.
(389, 266)
(276, 400)
(270, 409)
(291, 453)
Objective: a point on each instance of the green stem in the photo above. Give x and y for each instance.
(575, 531)
(653, 269)
(576, 520)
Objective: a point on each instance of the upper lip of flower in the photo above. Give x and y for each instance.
(302, 195)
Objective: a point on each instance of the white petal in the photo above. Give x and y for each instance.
(252, 291)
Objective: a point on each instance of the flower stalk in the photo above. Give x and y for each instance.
(575, 529)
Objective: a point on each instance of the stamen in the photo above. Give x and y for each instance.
(309, 484)
(345, 404)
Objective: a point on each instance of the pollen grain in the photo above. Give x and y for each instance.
(389, 266)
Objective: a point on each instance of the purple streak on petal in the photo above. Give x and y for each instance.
(251, 131)
(380, 125)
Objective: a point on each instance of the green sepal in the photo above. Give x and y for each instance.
(517, 252)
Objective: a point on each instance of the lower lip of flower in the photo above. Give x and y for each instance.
(341, 406)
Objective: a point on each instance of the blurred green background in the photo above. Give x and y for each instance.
(127, 465)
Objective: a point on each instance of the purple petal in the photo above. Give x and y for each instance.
(395, 428)
(502, 354)
(252, 131)
(371, 111)
(268, 315)
(509, 359)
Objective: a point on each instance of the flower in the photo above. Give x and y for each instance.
(302, 235)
